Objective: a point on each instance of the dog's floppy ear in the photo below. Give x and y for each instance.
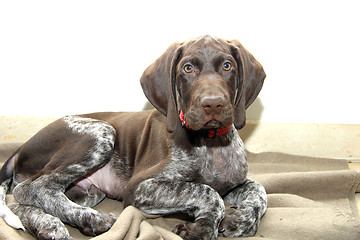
(250, 81)
(158, 84)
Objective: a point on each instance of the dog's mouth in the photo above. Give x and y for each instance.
(195, 122)
(213, 124)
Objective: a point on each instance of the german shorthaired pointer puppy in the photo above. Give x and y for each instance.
(186, 156)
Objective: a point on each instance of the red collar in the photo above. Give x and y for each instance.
(211, 132)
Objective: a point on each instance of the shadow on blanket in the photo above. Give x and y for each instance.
(309, 198)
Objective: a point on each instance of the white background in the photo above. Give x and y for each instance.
(67, 57)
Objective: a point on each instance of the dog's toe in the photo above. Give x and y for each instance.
(184, 230)
(202, 229)
(240, 221)
(97, 223)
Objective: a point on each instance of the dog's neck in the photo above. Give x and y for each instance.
(210, 133)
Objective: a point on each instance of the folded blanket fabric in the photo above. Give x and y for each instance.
(309, 198)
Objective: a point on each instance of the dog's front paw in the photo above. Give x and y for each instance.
(55, 230)
(184, 230)
(202, 229)
(240, 221)
(96, 223)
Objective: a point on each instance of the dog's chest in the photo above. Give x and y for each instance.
(222, 167)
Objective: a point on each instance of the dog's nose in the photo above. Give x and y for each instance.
(212, 104)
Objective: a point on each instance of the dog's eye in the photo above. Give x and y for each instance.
(227, 66)
(188, 68)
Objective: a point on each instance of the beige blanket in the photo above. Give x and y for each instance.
(309, 198)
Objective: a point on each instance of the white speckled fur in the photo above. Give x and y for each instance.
(224, 164)
(93, 127)
(50, 188)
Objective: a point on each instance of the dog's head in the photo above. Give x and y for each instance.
(211, 80)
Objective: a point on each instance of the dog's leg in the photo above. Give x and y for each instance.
(46, 193)
(158, 196)
(89, 148)
(243, 219)
(39, 224)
